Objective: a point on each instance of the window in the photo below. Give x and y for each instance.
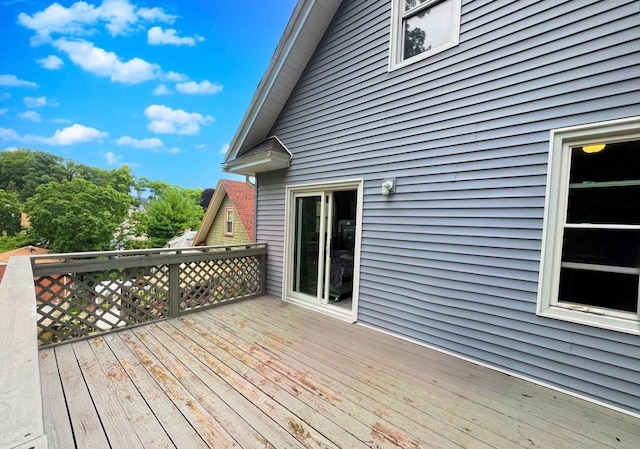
(228, 224)
(421, 28)
(590, 270)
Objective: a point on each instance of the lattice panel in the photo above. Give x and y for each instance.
(79, 304)
(212, 282)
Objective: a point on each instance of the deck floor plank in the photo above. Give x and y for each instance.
(121, 388)
(207, 427)
(434, 399)
(172, 420)
(267, 374)
(264, 424)
(560, 416)
(376, 409)
(311, 428)
(245, 435)
(390, 398)
(85, 421)
(120, 432)
(352, 416)
(58, 428)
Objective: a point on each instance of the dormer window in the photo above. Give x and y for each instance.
(421, 28)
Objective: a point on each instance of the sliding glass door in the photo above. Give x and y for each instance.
(311, 246)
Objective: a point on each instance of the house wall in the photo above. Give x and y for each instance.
(452, 258)
(216, 233)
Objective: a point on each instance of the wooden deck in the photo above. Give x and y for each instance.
(261, 373)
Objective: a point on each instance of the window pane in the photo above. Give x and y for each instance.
(410, 4)
(614, 247)
(599, 289)
(616, 162)
(610, 205)
(427, 29)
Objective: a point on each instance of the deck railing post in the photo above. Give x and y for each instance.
(263, 273)
(174, 290)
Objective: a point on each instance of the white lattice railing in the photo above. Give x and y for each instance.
(83, 294)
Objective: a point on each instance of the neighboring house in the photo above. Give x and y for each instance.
(229, 218)
(449, 154)
(24, 251)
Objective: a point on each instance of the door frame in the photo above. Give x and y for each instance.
(289, 245)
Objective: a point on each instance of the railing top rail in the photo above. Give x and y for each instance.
(62, 258)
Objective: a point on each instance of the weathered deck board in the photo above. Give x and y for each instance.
(554, 413)
(58, 426)
(261, 373)
(85, 421)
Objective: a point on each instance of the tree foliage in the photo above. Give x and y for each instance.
(172, 210)
(10, 210)
(76, 215)
(22, 171)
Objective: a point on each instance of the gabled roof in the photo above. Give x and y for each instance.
(243, 197)
(301, 36)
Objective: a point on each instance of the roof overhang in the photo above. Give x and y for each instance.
(258, 163)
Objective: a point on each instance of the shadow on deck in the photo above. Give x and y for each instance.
(262, 373)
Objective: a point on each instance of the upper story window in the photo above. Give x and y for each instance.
(590, 269)
(421, 28)
(228, 224)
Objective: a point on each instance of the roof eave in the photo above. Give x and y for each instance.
(258, 163)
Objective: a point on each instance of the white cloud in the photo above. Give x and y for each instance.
(11, 149)
(51, 62)
(112, 158)
(165, 120)
(154, 144)
(38, 102)
(146, 144)
(202, 88)
(61, 121)
(103, 63)
(176, 77)
(74, 134)
(81, 18)
(224, 149)
(31, 116)
(9, 134)
(156, 15)
(162, 89)
(70, 135)
(158, 36)
(14, 81)
(201, 147)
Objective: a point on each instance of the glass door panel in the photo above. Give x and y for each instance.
(307, 244)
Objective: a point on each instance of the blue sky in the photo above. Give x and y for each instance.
(159, 86)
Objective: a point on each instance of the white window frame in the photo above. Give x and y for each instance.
(228, 218)
(398, 16)
(561, 142)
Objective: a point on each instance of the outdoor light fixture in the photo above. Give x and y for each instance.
(388, 187)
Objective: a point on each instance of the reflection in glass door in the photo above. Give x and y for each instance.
(308, 211)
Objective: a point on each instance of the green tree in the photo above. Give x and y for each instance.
(10, 211)
(76, 215)
(25, 169)
(170, 213)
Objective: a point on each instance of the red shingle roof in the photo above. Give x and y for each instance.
(243, 197)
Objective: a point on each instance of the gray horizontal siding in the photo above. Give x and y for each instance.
(452, 258)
